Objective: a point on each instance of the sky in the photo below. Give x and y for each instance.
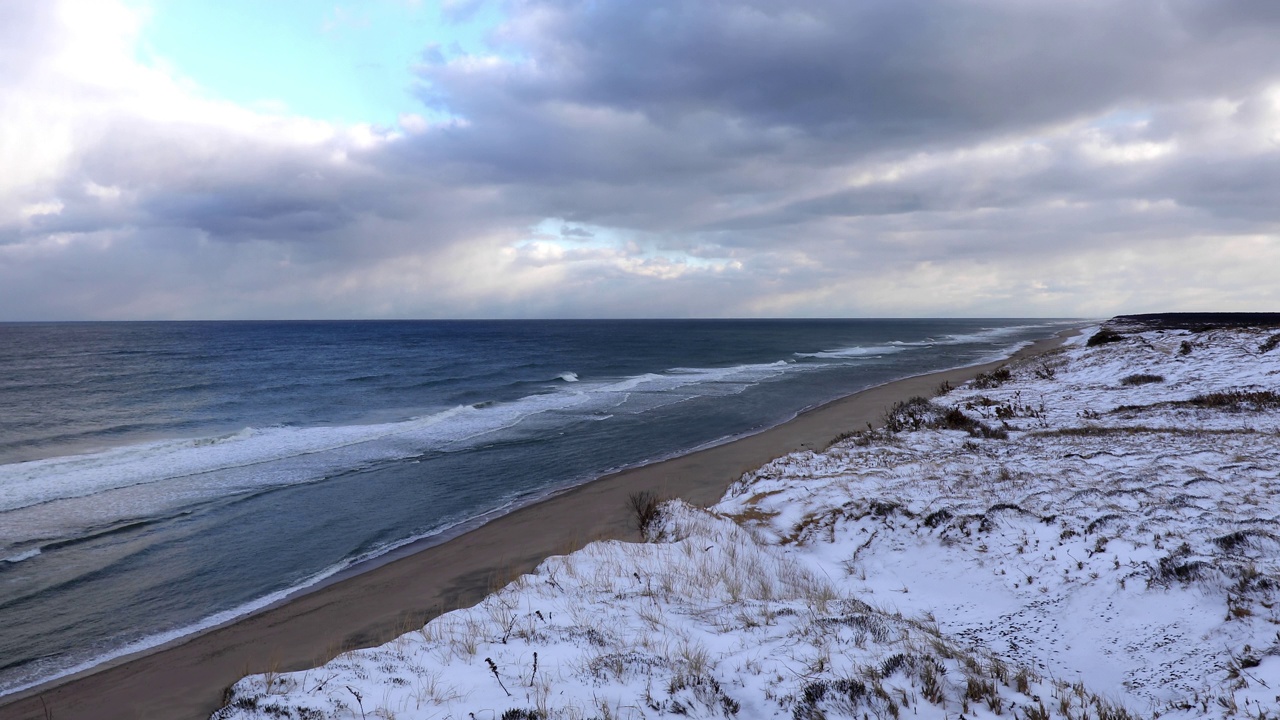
(201, 159)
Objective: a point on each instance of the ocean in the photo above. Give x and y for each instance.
(160, 478)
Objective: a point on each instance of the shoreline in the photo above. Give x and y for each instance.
(382, 597)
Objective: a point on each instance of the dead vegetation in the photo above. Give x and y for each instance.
(1141, 379)
(644, 508)
(1237, 400)
(920, 413)
(1232, 401)
(992, 379)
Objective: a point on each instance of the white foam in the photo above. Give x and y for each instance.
(734, 373)
(23, 556)
(858, 351)
(1003, 353)
(183, 470)
(258, 457)
(631, 383)
(895, 346)
(985, 335)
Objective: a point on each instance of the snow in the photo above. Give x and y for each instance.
(1093, 563)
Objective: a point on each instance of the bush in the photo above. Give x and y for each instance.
(993, 379)
(645, 506)
(846, 435)
(911, 414)
(1104, 336)
(954, 419)
(919, 414)
(990, 433)
(1270, 344)
(1046, 371)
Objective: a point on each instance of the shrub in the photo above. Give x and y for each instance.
(910, 414)
(846, 435)
(993, 379)
(1104, 336)
(1141, 379)
(861, 438)
(990, 433)
(645, 506)
(1270, 344)
(918, 413)
(955, 419)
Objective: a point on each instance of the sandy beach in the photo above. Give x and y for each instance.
(188, 678)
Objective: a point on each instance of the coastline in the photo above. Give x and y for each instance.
(186, 677)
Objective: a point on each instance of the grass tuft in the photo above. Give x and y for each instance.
(1242, 538)
(1141, 379)
(523, 714)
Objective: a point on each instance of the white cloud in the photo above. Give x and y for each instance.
(48, 207)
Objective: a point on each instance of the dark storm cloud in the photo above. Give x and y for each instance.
(229, 186)
(839, 77)
(232, 186)
(672, 116)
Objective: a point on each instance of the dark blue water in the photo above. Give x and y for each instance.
(155, 477)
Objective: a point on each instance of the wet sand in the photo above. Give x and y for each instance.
(188, 678)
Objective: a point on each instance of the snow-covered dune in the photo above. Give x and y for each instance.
(1092, 534)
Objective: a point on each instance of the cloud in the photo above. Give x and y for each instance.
(861, 77)
(985, 157)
